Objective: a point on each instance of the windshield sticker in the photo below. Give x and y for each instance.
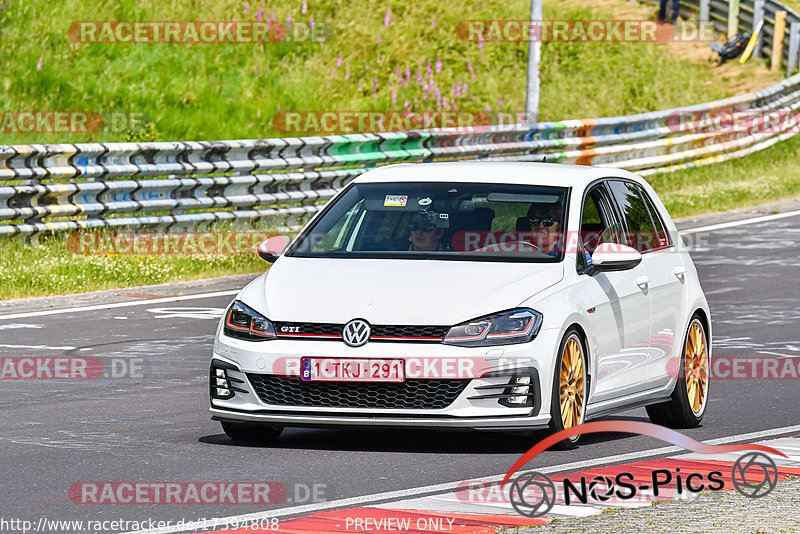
(396, 200)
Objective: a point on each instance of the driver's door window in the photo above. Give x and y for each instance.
(598, 225)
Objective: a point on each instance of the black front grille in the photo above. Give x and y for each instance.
(431, 394)
(437, 332)
(333, 331)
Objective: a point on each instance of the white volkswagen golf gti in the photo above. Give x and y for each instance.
(472, 295)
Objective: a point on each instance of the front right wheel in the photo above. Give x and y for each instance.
(689, 399)
(569, 392)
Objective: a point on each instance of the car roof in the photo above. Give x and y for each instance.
(500, 172)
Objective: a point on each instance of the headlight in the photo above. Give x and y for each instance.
(243, 322)
(504, 328)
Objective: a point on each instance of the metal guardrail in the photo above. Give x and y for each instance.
(54, 188)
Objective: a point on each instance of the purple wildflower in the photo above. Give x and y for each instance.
(438, 65)
(387, 17)
(304, 7)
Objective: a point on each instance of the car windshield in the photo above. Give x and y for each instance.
(438, 220)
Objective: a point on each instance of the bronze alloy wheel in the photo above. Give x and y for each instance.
(572, 381)
(696, 367)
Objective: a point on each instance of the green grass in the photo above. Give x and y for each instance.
(55, 267)
(231, 91)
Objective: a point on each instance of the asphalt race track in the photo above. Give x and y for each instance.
(152, 425)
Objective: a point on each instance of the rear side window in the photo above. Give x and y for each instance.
(662, 236)
(642, 233)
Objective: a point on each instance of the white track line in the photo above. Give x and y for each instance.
(118, 305)
(41, 347)
(223, 522)
(731, 224)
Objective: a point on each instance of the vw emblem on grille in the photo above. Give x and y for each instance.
(356, 332)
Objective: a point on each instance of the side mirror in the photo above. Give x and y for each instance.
(271, 248)
(614, 257)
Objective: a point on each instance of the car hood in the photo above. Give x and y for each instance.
(382, 291)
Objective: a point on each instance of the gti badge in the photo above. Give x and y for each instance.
(356, 332)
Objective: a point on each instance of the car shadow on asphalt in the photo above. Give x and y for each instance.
(410, 440)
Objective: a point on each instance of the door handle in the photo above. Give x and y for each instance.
(642, 281)
(679, 271)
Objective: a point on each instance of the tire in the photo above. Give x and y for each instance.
(689, 399)
(569, 393)
(252, 433)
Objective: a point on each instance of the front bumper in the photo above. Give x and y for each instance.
(334, 421)
(476, 407)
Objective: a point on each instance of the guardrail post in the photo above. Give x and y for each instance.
(794, 47)
(733, 18)
(777, 40)
(758, 14)
(704, 10)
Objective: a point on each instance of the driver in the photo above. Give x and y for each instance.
(543, 220)
(425, 236)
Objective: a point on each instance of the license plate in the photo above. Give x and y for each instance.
(351, 370)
